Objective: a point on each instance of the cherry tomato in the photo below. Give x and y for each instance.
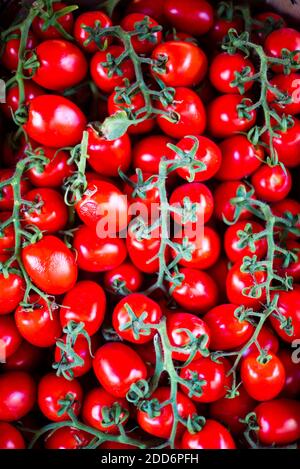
(197, 291)
(193, 16)
(51, 174)
(179, 63)
(221, 27)
(7, 195)
(223, 70)
(239, 285)
(292, 374)
(9, 335)
(17, 395)
(12, 289)
(95, 254)
(54, 121)
(52, 390)
(50, 32)
(95, 402)
(269, 22)
(180, 327)
(212, 436)
(90, 19)
(117, 367)
(272, 183)
(286, 84)
(188, 194)
(140, 45)
(289, 308)
(7, 237)
(82, 349)
(147, 7)
(236, 248)
(287, 208)
(142, 201)
(31, 91)
(222, 201)
(67, 438)
(161, 425)
(124, 277)
(187, 113)
(283, 38)
(267, 341)
(293, 268)
(287, 144)
(50, 264)
(148, 152)
(224, 118)
(10, 437)
(218, 272)
(10, 54)
(26, 358)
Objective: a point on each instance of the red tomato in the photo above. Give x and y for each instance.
(48, 212)
(212, 378)
(289, 308)
(197, 292)
(286, 84)
(140, 45)
(54, 172)
(95, 402)
(234, 245)
(82, 349)
(9, 336)
(31, 91)
(287, 144)
(212, 436)
(222, 201)
(126, 326)
(288, 208)
(67, 438)
(36, 325)
(227, 330)
(240, 158)
(278, 421)
(12, 289)
(223, 118)
(292, 373)
(272, 183)
(54, 121)
(7, 238)
(193, 16)
(26, 358)
(239, 284)
(117, 367)
(147, 7)
(10, 53)
(192, 193)
(50, 264)
(223, 71)
(10, 437)
(263, 379)
(126, 276)
(52, 390)
(218, 272)
(179, 63)
(187, 113)
(208, 153)
(145, 203)
(293, 269)
(17, 395)
(161, 425)
(267, 341)
(148, 152)
(269, 22)
(95, 254)
(90, 19)
(66, 21)
(221, 27)
(7, 195)
(177, 326)
(283, 38)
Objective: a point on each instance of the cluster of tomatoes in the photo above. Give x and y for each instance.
(127, 340)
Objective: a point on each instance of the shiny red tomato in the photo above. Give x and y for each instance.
(293, 269)
(10, 53)
(7, 195)
(17, 395)
(144, 203)
(124, 277)
(240, 158)
(287, 144)
(289, 308)
(222, 201)
(190, 194)
(141, 45)
(12, 289)
(268, 22)
(212, 436)
(221, 27)
(90, 19)
(10, 437)
(292, 373)
(148, 152)
(239, 284)
(67, 438)
(65, 21)
(9, 336)
(193, 16)
(7, 238)
(272, 183)
(147, 7)
(223, 71)
(287, 208)
(234, 246)
(51, 174)
(286, 84)
(283, 38)
(267, 341)
(82, 349)
(26, 358)
(31, 91)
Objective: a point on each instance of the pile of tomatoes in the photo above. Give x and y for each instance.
(128, 341)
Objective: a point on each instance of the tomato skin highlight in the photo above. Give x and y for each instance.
(10, 337)
(17, 395)
(212, 436)
(10, 437)
(12, 291)
(223, 68)
(194, 16)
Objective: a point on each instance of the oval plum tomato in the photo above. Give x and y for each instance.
(187, 114)
(263, 378)
(289, 85)
(193, 16)
(179, 63)
(117, 367)
(52, 174)
(161, 425)
(206, 379)
(31, 91)
(212, 436)
(291, 387)
(10, 437)
(208, 153)
(12, 289)
(180, 328)
(54, 121)
(81, 348)
(103, 207)
(36, 325)
(223, 69)
(137, 102)
(50, 264)
(10, 53)
(239, 285)
(288, 208)
(26, 358)
(48, 211)
(95, 254)
(227, 330)
(61, 65)
(221, 27)
(85, 302)
(147, 7)
(204, 249)
(107, 78)
(288, 306)
(7, 234)
(67, 438)
(17, 395)
(240, 158)
(293, 267)
(283, 38)
(141, 45)
(237, 238)
(272, 183)
(9, 336)
(96, 402)
(190, 194)
(90, 19)
(52, 390)
(287, 144)
(230, 411)
(126, 278)
(222, 197)
(148, 152)
(267, 341)
(278, 421)
(65, 21)
(126, 316)
(197, 291)
(7, 195)
(226, 117)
